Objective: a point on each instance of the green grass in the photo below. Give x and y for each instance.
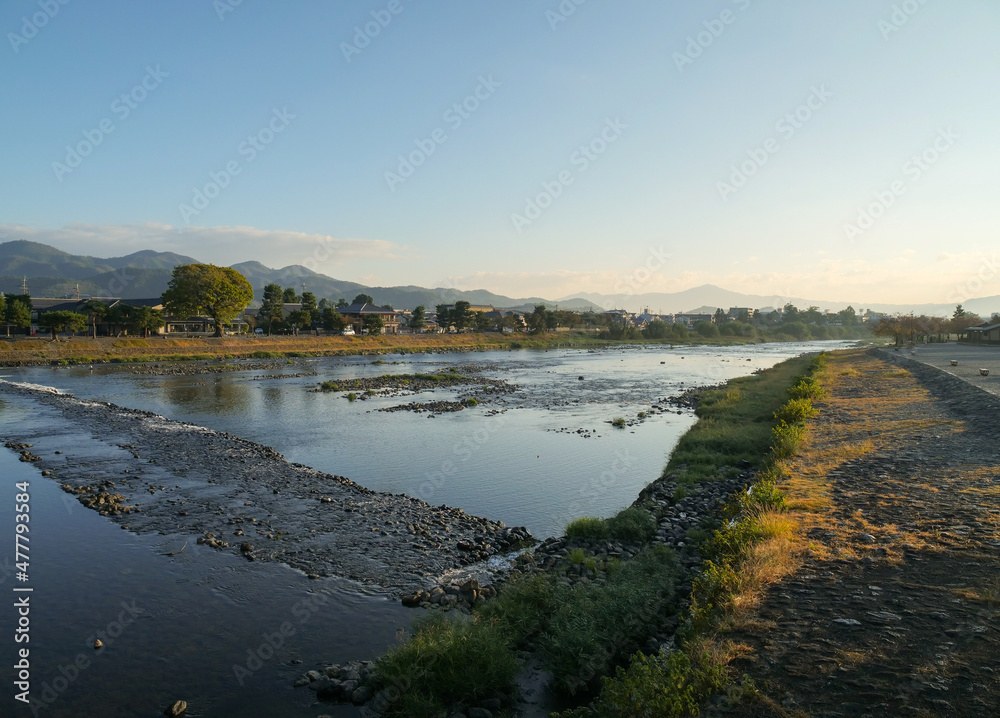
(587, 527)
(735, 424)
(594, 627)
(633, 524)
(581, 632)
(662, 685)
(618, 422)
(450, 659)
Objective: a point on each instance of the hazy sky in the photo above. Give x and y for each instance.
(530, 148)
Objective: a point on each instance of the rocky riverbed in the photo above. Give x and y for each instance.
(245, 498)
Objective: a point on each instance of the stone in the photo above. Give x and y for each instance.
(477, 712)
(176, 709)
(361, 695)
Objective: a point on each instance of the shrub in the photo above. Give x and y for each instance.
(448, 660)
(618, 422)
(806, 388)
(522, 607)
(795, 410)
(352, 396)
(665, 684)
(587, 527)
(633, 524)
(786, 438)
(595, 626)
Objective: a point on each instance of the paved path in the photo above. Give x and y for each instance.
(970, 360)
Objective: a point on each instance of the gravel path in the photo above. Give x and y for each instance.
(239, 496)
(896, 611)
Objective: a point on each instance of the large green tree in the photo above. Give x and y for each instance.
(418, 320)
(364, 299)
(18, 314)
(96, 310)
(299, 319)
(333, 320)
(373, 323)
(290, 297)
(221, 293)
(462, 315)
(443, 316)
(309, 303)
(146, 320)
(272, 304)
(538, 320)
(56, 322)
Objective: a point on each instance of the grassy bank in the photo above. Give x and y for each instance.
(761, 420)
(587, 634)
(84, 350)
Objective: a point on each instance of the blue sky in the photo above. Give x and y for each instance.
(603, 134)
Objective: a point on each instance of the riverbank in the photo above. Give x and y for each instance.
(581, 604)
(895, 607)
(85, 350)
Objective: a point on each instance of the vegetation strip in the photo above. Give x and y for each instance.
(585, 603)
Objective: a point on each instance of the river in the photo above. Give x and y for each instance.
(229, 636)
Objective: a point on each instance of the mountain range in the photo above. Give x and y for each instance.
(50, 272)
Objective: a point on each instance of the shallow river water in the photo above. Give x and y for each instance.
(201, 625)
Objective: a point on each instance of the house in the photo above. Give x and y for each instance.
(743, 314)
(984, 333)
(620, 316)
(356, 313)
(43, 305)
(691, 319)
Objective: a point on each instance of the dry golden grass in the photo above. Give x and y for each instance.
(107, 348)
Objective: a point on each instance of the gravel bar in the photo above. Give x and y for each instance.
(239, 496)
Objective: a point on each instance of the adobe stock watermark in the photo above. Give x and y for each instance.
(972, 287)
(30, 26)
(634, 280)
(464, 450)
(122, 108)
(900, 15)
(912, 170)
(454, 117)
(581, 160)
(364, 34)
(250, 148)
(224, 7)
(714, 29)
(271, 642)
(562, 13)
(58, 684)
(590, 492)
(787, 127)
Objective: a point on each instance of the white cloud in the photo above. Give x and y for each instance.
(218, 245)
